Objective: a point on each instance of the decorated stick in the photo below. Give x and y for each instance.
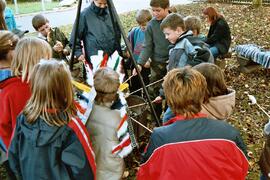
(254, 101)
(118, 24)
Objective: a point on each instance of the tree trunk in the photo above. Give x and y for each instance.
(257, 3)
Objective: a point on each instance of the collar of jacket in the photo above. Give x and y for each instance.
(98, 11)
(181, 118)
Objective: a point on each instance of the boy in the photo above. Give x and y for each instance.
(96, 31)
(54, 36)
(136, 37)
(193, 23)
(156, 48)
(203, 148)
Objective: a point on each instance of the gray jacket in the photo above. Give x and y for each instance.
(155, 45)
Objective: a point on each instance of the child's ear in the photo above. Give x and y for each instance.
(179, 30)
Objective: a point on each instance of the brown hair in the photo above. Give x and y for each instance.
(212, 14)
(173, 9)
(173, 21)
(28, 53)
(184, 89)
(160, 3)
(8, 42)
(193, 23)
(3, 25)
(38, 21)
(143, 16)
(106, 83)
(49, 99)
(216, 85)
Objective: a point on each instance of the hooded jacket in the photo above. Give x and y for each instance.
(13, 96)
(40, 151)
(220, 107)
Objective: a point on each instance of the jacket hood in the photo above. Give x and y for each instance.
(40, 133)
(220, 107)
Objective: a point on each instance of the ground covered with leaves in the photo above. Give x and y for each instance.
(248, 25)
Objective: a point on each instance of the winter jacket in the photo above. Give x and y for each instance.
(97, 33)
(197, 148)
(219, 35)
(13, 96)
(41, 151)
(57, 35)
(178, 55)
(220, 107)
(102, 127)
(155, 45)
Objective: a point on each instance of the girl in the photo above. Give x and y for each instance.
(102, 125)
(15, 91)
(219, 100)
(219, 34)
(46, 143)
(8, 43)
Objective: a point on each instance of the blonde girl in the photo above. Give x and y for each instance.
(51, 146)
(15, 92)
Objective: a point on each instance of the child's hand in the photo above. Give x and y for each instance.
(66, 52)
(58, 47)
(158, 100)
(134, 72)
(147, 64)
(81, 58)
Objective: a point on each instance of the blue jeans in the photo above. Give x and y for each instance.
(263, 177)
(214, 51)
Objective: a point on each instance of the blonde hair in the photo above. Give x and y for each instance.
(3, 25)
(106, 83)
(28, 52)
(52, 94)
(8, 42)
(193, 23)
(184, 90)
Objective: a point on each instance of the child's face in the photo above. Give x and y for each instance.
(172, 35)
(160, 13)
(45, 29)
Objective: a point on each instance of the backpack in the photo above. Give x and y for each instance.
(203, 53)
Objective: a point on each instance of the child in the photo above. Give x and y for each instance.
(54, 36)
(264, 162)
(155, 48)
(136, 38)
(96, 31)
(219, 100)
(193, 23)
(102, 124)
(15, 91)
(47, 139)
(219, 34)
(8, 42)
(192, 146)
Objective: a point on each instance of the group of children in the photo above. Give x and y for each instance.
(39, 128)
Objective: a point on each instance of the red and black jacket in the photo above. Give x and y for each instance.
(197, 148)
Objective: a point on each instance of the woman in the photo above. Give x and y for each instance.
(219, 35)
